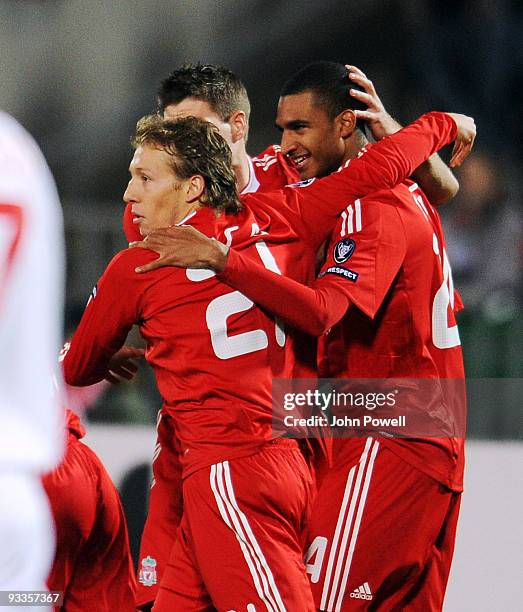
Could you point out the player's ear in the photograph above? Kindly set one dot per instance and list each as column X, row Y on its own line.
column 346, row 122
column 195, row 188
column 238, row 123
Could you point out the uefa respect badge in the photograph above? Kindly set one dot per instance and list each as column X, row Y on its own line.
column 147, row 575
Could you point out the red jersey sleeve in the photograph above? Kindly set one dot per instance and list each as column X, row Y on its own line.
column 365, row 254
column 311, row 309
column 367, row 250
column 273, row 170
column 112, row 309
column 312, row 207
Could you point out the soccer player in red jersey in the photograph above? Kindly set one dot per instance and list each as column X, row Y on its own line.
column 92, row 565
column 214, row 94
column 388, row 276
column 245, row 496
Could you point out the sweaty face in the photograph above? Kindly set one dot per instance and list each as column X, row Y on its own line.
column 192, row 107
column 154, row 192
column 310, row 138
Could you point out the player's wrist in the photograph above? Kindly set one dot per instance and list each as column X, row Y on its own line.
column 217, row 257
column 387, row 126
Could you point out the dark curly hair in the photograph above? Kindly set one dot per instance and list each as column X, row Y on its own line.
column 194, row 147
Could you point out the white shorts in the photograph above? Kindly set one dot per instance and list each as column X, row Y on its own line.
column 27, row 536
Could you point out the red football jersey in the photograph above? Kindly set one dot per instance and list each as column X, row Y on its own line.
column 269, row 170
column 213, row 352
column 388, row 254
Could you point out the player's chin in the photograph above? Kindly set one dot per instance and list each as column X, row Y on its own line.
column 306, row 173
column 309, row 169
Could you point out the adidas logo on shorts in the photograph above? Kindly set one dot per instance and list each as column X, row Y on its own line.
column 362, row 592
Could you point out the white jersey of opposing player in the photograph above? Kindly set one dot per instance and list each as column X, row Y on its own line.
column 31, row 305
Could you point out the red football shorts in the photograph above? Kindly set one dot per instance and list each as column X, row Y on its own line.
column 93, row 565
column 164, row 515
column 381, row 535
column 240, row 544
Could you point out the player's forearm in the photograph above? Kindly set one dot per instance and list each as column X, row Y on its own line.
column 437, row 180
column 86, row 358
column 397, row 156
column 113, row 308
column 433, row 176
column 81, row 368
column 312, row 310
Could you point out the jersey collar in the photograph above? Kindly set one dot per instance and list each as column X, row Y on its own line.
column 253, row 184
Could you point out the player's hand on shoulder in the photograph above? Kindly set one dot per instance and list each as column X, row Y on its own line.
column 464, row 138
column 380, row 122
column 122, row 365
column 183, row 247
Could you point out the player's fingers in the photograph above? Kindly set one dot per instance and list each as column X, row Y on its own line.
column 454, row 154
column 130, row 367
column 363, row 96
column 152, row 243
column 112, row 378
column 364, row 115
column 125, row 368
column 141, row 243
column 457, row 155
column 355, row 69
column 152, row 265
column 363, row 82
column 463, row 147
column 123, row 373
column 366, row 99
column 461, row 155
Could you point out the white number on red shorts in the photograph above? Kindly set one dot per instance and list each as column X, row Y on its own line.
column 318, row 548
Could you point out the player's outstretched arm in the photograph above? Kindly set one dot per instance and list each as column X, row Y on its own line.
column 434, row 176
column 313, row 310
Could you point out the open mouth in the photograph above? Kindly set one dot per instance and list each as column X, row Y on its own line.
column 300, row 160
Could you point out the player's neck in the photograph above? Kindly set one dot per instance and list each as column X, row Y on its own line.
column 242, row 169
column 353, row 145
column 183, row 213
